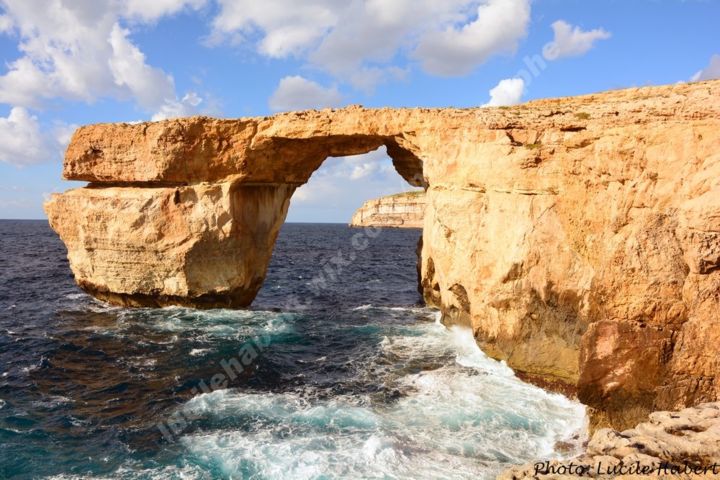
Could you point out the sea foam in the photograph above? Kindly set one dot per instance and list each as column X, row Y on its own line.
column 469, row 418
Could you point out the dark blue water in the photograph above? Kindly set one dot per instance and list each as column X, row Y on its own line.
column 349, row 375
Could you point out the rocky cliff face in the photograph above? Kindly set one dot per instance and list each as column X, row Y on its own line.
column 402, row 210
column 578, row 237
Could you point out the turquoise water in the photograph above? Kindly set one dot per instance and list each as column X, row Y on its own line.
column 359, row 380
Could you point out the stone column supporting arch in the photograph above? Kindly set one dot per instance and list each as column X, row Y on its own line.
column 577, row 237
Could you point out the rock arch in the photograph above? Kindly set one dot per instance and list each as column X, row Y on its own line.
column 578, row 237
column 187, row 211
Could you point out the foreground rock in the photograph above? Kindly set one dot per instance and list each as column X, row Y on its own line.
column 578, row 237
column 684, row 444
column 402, row 210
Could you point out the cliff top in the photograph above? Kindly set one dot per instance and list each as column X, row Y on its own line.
column 272, row 149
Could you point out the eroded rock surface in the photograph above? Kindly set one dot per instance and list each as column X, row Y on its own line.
column 684, row 444
column 402, row 210
column 578, row 237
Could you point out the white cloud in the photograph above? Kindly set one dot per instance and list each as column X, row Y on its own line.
column 298, row 93
column 506, row 92
column 6, row 24
column 342, row 174
column 150, row 86
column 58, row 61
column 369, row 35
column 63, row 132
column 79, row 51
column 24, row 142
column 342, row 184
column 152, row 10
column 21, row 140
column 571, row 41
column 288, row 26
column 364, row 170
column 186, row 106
column 499, row 26
column 710, row 72
column 359, row 41
column 25, row 84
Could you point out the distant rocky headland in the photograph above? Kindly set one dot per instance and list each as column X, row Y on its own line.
column 579, row 238
column 401, row 210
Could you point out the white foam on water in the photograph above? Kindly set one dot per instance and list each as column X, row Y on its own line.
column 87, row 302
column 205, row 325
column 186, row 472
column 470, row 418
column 52, row 401
column 77, row 296
column 363, row 307
column 426, row 311
column 196, row 352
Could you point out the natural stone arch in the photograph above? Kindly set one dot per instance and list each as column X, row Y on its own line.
column 569, row 234
column 202, row 201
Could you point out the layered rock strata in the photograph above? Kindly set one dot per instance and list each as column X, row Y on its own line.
column 578, row 237
column 670, row 445
column 402, row 210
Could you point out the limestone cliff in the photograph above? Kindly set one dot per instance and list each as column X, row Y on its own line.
column 578, row 237
column 402, row 210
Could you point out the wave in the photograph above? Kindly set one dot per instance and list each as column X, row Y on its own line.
column 427, row 312
column 131, row 471
column 171, row 324
column 468, row 418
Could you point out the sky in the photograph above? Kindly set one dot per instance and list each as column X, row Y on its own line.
column 73, row 62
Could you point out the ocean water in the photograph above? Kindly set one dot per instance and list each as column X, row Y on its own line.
column 339, row 372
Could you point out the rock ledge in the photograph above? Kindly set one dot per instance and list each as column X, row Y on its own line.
column 684, row 444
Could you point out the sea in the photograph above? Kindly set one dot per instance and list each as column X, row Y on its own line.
column 337, row 371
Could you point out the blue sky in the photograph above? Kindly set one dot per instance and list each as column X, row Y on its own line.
column 73, row 62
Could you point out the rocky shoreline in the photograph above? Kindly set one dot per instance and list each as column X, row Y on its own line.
column 670, row 445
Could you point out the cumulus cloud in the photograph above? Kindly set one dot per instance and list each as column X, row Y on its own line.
column 23, row 142
column 499, row 26
column 59, row 61
column 150, row 11
column 571, row 41
column 63, row 132
column 80, row 51
column 186, row 106
column 506, row 92
column 386, row 29
column 298, row 93
column 710, row 72
column 287, row 27
column 6, row 24
column 151, row 87
column 342, row 184
column 358, row 41
column 364, row 169
column 338, row 176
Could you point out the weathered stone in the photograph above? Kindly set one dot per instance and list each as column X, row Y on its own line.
column 684, row 444
column 402, row 210
column 578, row 237
column 200, row 245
